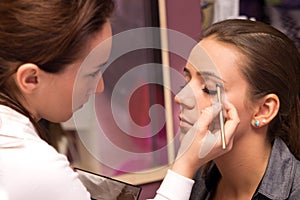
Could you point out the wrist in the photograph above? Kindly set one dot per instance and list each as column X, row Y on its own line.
column 185, row 169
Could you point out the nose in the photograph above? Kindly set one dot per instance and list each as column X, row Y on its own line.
column 185, row 97
column 100, row 86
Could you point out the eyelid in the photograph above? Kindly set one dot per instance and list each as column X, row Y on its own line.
column 103, row 64
column 210, row 92
column 221, row 85
column 95, row 73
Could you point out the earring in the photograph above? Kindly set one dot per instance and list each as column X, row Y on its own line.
column 256, row 123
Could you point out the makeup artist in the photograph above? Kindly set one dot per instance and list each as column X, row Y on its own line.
column 43, row 44
column 258, row 69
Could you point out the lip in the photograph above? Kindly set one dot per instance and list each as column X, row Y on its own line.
column 183, row 120
column 184, row 125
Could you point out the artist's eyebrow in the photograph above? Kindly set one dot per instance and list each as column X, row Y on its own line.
column 207, row 73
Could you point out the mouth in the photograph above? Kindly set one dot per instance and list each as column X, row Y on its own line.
column 183, row 121
column 184, row 125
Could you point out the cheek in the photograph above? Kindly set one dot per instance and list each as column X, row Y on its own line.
column 79, row 90
column 238, row 99
column 238, row 103
column 243, row 110
column 203, row 100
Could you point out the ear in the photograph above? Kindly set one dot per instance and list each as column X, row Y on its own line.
column 266, row 110
column 27, row 77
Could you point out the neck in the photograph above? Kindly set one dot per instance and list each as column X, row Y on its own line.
column 30, row 109
column 243, row 167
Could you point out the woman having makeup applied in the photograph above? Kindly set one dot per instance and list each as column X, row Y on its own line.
column 258, row 70
column 43, row 45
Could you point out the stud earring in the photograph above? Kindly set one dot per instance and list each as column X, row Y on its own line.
column 256, row 123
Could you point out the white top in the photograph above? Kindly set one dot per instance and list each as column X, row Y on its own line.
column 174, row 187
column 32, row 169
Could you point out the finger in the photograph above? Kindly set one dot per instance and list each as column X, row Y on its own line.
column 207, row 115
column 233, row 116
column 187, row 140
column 200, row 128
column 231, row 122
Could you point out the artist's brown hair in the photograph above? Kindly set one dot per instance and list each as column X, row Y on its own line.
column 50, row 34
column 272, row 65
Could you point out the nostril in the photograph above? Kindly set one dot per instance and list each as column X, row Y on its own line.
column 177, row 99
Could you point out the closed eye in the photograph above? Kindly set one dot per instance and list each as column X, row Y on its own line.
column 95, row 74
column 210, row 92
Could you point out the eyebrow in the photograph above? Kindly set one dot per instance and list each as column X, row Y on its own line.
column 204, row 73
column 207, row 73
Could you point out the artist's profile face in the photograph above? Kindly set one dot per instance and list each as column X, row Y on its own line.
column 71, row 89
column 89, row 78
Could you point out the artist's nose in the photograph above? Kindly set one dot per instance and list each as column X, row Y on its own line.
column 100, row 86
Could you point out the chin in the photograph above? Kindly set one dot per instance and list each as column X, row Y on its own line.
column 66, row 118
column 61, row 118
column 184, row 130
column 181, row 136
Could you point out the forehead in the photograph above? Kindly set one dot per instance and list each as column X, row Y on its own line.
column 219, row 58
column 201, row 61
column 98, row 49
column 99, row 45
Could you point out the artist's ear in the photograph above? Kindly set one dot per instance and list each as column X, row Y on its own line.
column 27, row 77
column 265, row 110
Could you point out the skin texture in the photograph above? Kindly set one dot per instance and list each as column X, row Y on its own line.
column 198, row 108
column 249, row 141
column 61, row 101
column 246, row 143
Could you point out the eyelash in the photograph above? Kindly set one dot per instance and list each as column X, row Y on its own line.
column 205, row 89
column 94, row 74
column 210, row 92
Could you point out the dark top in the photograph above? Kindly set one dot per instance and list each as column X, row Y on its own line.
column 280, row 181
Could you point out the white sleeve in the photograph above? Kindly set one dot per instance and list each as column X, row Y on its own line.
column 174, row 187
column 36, row 171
